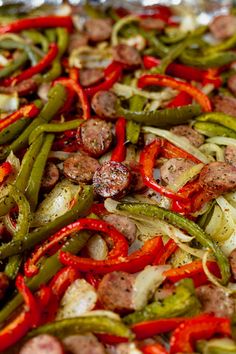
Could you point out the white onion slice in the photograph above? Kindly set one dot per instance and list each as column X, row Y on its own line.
column 222, row 140
column 97, row 248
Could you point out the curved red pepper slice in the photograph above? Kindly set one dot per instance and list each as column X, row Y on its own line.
column 119, row 152
column 169, row 248
column 38, row 22
column 199, row 327
column 181, row 99
column 36, row 69
column 112, row 75
column 120, row 248
column 169, row 151
column 148, row 157
column 131, row 264
column 77, row 88
column 154, row 349
column 167, row 81
column 5, row 170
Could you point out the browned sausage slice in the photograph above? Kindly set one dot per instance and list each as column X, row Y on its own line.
column 215, row 300
column 150, row 23
column 230, row 154
column 195, row 138
column 88, row 77
column 77, row 40
column 80, row 168
column 173, row 168
column 25, row 87
column 123, row 224
column 44, row 343
column 231, row 83
column 83, row 344
column 115, row 291
column 223, row 26
column 98, row 30
column 4, row 283
column 126, row 55
column 95, row 136
column 50, row 177
column 232, row 261
column 112, row 179
column 104, row 104
column 218, row 178
column 225, row 104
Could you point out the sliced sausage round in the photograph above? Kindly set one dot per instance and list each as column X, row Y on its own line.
column 195, row 138
column 232, row 261
column 115, row 291
column 127, row 55
column 112, row 179
column 43, row 343
column 215, row 300
column 50, row 177
column 123, row 224
column 104, row 104
column 4, row 283
column 77, row 40
column 173, row 168
column 218, row 178
column 23, row 88
column 83, row 344
column 88, row 77
column 223, row 26
column 225, row 104
column 80, row 168
column 231, row 83
column 150, row 23
column 98, row 29
column 230, row 154
column 95, row 136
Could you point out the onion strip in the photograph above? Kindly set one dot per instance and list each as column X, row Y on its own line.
column 212, row 150
column 119, row 24
column 185, row 177
column 222, row 140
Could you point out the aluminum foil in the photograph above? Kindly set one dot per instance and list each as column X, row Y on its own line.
column 203, row 9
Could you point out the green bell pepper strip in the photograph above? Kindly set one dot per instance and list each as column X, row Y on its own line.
column 11, row 44
column 136, row 104
column 54, row 128
column 7, row 202
column 77, row 325
column 51, row 34
column 13, row 65
column 12, row 131
column 62, row 44
column 164, row 117
column 22, row 228
column 37, row 38
column 181, row 222
column 56, row 99
column 47, row 270
column 213, row 129
column 225, row 45
column 156, row 45
column 219, row 118
column 181, row 302
column 80, row 209
column 173, row 38
column 212, row 60
column 32, row 190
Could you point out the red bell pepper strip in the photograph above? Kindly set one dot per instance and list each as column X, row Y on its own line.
column 36, row 69
column 190, row 270
column 24, row 321
column 120, row 248
column 110, row 339
column 119, row 152
column 199, row 327
column 154, row 349
column 98, row 209
column 131, row 264
column 181, row 99
column 38, row 22
column 27, row 111
column 149, row 329
column 112, row 75
column 169, row 151
column 211, row 76
column 77, row 88
column 164, row 80
column 92, row 279
column 74, row 74
column 148, row 158
column 5, row 170
column 64, row 278
column 169, row 248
